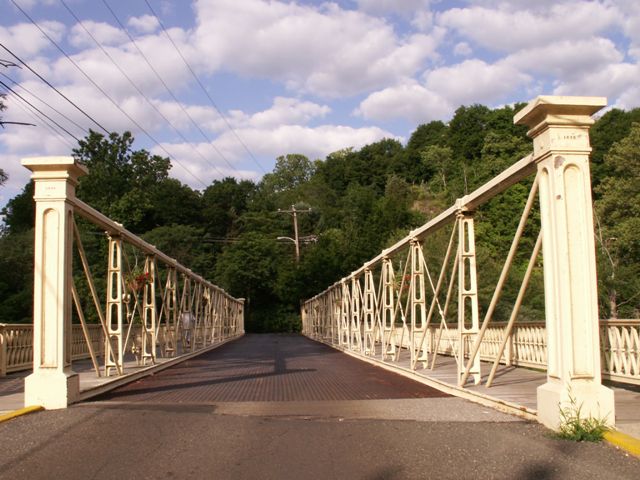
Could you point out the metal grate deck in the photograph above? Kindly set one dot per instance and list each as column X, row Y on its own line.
column 271, row 368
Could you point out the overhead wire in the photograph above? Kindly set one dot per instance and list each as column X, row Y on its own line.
column 11, row 90
column 47, row 82
column 169, row 91
column 22, row 87
column 44, row 121
column 132, row 120
column 140, row 92
column 193, row 73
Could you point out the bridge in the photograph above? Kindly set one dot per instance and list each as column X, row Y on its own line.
column 401, row 338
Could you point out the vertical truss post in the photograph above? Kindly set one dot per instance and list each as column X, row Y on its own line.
column 115, row 308
column 241, row 316
column 53, row 383
column 559, row 127
column 369, row 313
column 171, row 313
column 149, row 312
column 345, row 307
column 388, row 309
column 468, row 317
column 418, row 313
column 355, row 334
column 185, row 312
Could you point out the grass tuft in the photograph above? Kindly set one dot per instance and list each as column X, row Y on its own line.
column 574, row 426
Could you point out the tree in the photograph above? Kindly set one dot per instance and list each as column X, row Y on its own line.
column 16, row 281
column 291, row 171
column 19, row 213
column 612, row 127
column 411, row 166
column 439, row 160
column 467, row 130
column 223, row 202
column 122, row 182
column 618, row 223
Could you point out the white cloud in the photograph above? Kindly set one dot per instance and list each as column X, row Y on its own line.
column 30, row 4
column 409, row 101
column 553, row 60
column 508, row 30
column 612, row 81
column 475, row 81
column 324, row 50
column 287, row 111
column 103, row 32
column 144, row 23
column 267, row 144
column 18, row 177
column 392, row 6
column 314, row 142
column 462, row 49
column 26, row 40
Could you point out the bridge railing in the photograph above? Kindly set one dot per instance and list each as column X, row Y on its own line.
column 16, row 345
column 527, row 346
column 145, row 304
column 430, row 278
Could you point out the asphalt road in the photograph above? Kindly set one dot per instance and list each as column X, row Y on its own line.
column 145, row 432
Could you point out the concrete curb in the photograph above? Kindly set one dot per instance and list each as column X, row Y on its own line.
column 623, row 441
column 20, row 412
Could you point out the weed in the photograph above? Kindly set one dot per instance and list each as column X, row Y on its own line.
column 573, row 426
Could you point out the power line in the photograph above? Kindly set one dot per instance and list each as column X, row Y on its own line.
column 159, row 77
column 193, row 73
column 37, row 118
column 11, row 90
column 53, row 42
column 43, row 102
column 140, row 92
column 47, row 82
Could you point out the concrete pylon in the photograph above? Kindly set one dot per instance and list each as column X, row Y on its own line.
column 559, row 127
column 53, row 384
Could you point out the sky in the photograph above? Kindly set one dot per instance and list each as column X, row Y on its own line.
column 224, row 87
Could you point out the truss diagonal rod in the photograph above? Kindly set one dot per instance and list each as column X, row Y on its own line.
column 85, row 330
column 454, row 272
column 436, row 291
column 503, row 277
column 94, row 294
column 516, row 308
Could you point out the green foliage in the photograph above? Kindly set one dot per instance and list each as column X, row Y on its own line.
column 617, row 226
column 574, row 426
column 16, row 281
column 126, row 185
column 19, row 213
column 362, row 201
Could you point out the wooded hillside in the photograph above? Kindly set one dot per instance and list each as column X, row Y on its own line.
column 360, row 201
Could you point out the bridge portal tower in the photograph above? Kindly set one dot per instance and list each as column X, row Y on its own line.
column 53, row 383
column 559, row 127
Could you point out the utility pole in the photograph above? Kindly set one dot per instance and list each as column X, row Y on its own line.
column 296, row 240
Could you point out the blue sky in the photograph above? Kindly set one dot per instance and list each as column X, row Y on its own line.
column 300, row 76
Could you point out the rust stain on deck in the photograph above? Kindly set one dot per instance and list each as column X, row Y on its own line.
column 271, row 368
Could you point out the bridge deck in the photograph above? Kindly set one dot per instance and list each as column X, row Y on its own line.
column 279, row 368
column 271, row 368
